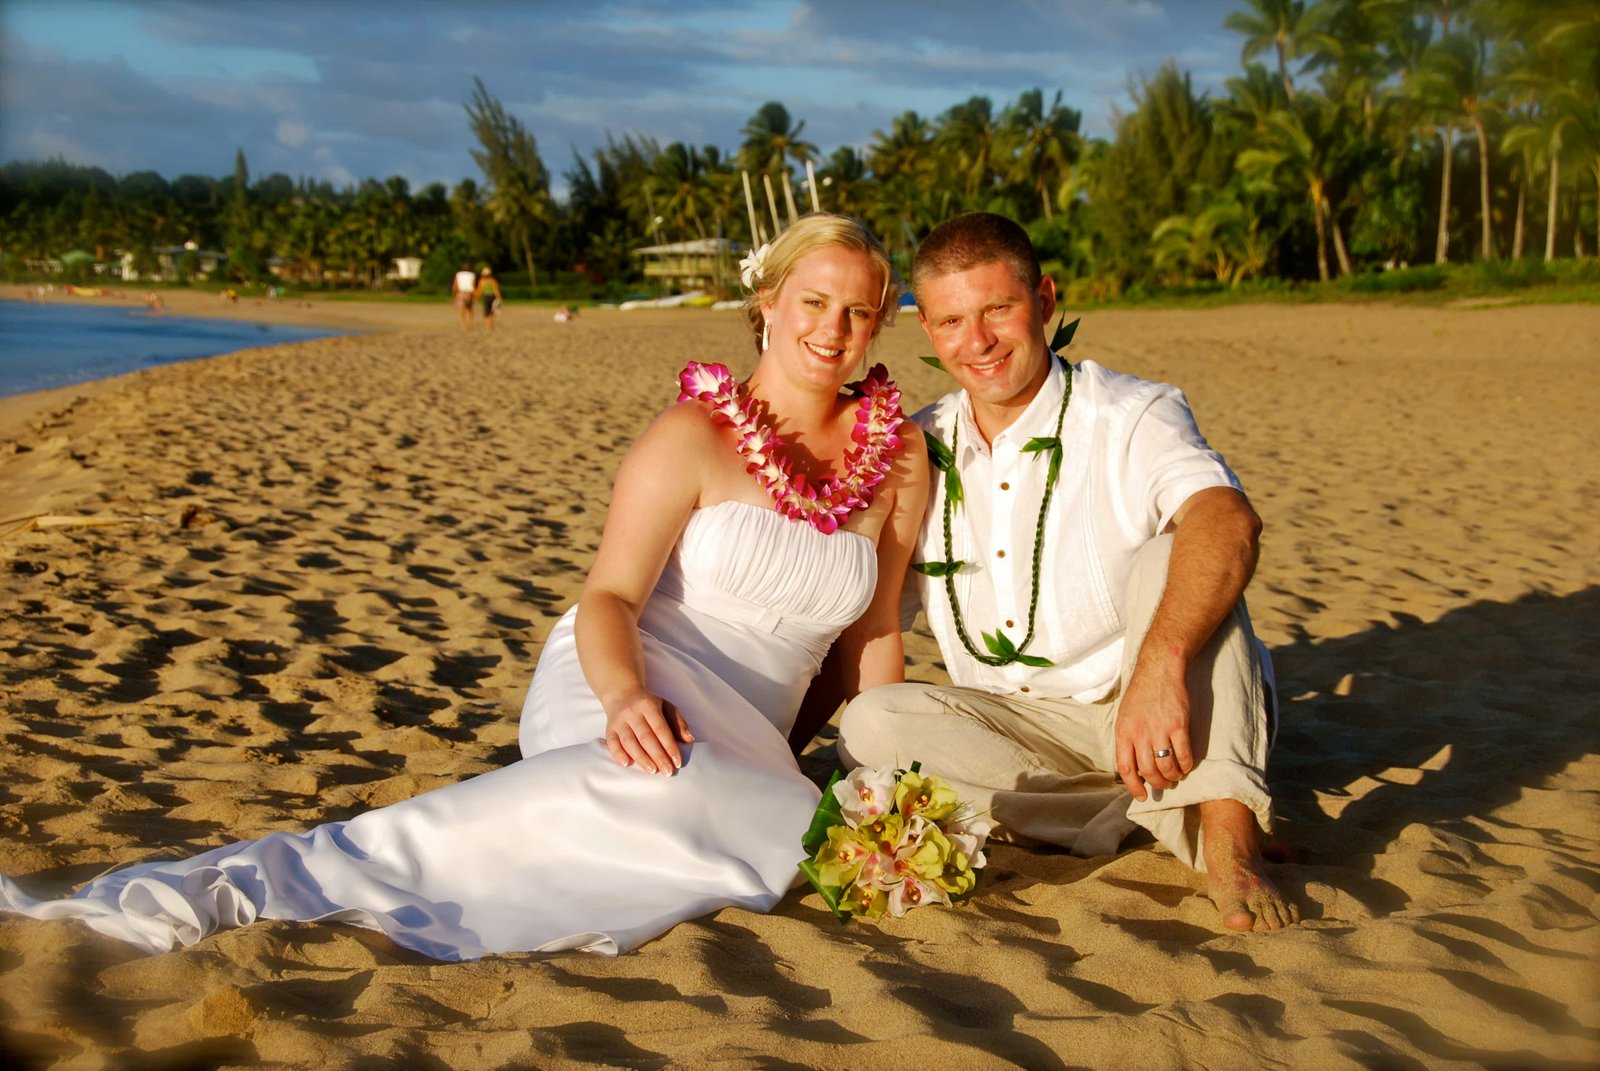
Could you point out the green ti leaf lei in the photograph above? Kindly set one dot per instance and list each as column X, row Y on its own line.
column 1002, row 651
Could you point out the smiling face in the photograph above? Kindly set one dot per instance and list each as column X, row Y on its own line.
column 821, row 320
column 987, row 329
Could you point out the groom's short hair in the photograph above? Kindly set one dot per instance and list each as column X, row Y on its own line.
column 970, row 240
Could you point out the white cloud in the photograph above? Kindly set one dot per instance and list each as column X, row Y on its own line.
column 45, row 144
column 292, row 134
column 332, row 169
column 389, row 93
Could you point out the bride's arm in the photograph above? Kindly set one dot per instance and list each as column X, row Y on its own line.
column 657, row 486
column 870, row 652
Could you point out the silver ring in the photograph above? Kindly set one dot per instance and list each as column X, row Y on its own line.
column 1163, row 753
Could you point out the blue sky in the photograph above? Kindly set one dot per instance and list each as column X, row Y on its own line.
column 346, row 90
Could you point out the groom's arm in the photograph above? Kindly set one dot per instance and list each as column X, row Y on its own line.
column 1216, row 543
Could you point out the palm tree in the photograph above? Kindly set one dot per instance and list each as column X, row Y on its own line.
column 677, row 187
column 1297, row 151
column 1369, row 48
column 1540, row 139
column 401, row 225
column 771, row 142
column 1453, row 83
column 1571, row 33
column 1435, row 111
column 902, row 161
column 968, row 133
column 1554, row 76
column 1251, row 100
column 721, row 192
column 1444, row 11
column 1281, row 25
column 1584, row 108
column 345, row 242
column 904, row 150
column 845, row 182
column 1517, row 83
column 1223, row 238
column 1041, row 144
column 430, row 218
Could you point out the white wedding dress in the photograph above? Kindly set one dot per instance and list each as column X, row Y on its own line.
column 566, row 849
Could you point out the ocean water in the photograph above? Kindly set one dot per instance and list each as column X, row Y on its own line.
column 51, row 344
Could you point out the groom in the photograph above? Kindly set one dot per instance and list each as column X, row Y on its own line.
column 1107, row 678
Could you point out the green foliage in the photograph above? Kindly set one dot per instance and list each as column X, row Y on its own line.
column 246, row 265
column 1163, row 153
column 188, row 266
column 1042, row 144
column 439, row 267
column 772, row 140
column 1052, row 241
column 1403, row 281
column 1496, row 275
column 1392, row 218
column 1324, row 156
column 1224, row 240
column 519, row 185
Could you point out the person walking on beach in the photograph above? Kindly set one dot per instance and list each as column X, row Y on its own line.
column 1082, row 565
column 656, row 782
column 462, row 287
column 488, row 296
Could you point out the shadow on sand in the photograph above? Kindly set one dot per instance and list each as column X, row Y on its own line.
column 1451, row 719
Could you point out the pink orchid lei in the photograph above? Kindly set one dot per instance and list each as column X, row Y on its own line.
column 826, row 505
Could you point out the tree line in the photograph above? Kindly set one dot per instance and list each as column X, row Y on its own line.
column 1357, row 133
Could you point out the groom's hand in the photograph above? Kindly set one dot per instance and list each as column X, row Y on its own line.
column 1154, row 716
column 644, row 731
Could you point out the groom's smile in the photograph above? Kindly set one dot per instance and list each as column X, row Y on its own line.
column 987, row 329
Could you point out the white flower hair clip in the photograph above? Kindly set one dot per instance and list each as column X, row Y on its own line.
column 753, row 265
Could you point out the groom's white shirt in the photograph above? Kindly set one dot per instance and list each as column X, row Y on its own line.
column 1132, row 456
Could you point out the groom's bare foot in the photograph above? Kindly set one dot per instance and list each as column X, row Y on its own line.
column 1236, row 872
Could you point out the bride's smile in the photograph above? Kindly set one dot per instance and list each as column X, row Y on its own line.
column 826, row 314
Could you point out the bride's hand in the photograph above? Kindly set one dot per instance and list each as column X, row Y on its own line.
column 644, row 730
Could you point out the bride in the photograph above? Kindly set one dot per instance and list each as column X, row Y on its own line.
column 751, row 527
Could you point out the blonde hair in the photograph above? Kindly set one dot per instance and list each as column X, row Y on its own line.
column 806, row 235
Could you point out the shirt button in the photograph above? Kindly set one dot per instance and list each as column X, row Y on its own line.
column 1005, row 486
column 1010, row 623
column 1024, row 688
column 999, row 554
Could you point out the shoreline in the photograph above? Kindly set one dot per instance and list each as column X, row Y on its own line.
column 17, row 409
column 385, row 318
column 340, row 315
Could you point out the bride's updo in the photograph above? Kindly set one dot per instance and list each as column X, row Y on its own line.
column 765, row 270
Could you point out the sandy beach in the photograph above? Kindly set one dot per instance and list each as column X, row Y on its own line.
column 341, row 558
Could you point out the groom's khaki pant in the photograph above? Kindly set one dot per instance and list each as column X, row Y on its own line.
column 1044, row 768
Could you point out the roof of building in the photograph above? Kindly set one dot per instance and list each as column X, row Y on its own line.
column 711, row 246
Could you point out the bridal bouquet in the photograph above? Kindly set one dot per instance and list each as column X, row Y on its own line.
column 891, row 840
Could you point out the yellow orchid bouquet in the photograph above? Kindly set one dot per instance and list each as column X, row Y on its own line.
column 889, row 840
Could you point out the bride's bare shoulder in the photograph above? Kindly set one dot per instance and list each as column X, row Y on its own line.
column 680, row 432
column 912, row 457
